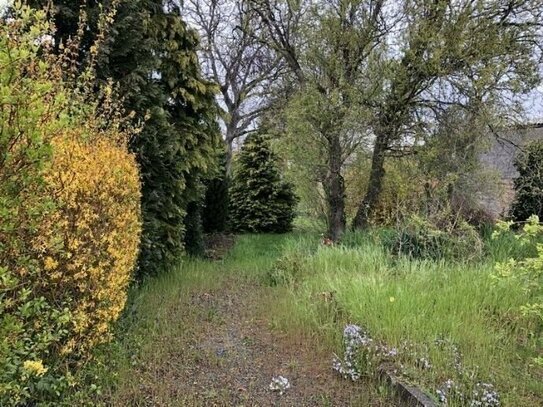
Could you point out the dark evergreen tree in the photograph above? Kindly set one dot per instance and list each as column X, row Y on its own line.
column 259, row 200
column 66, row 15
column 529, row 184
column 151, row 56
column 194, row 240
column 216, row 205
column 216, row 202
column 188, row 145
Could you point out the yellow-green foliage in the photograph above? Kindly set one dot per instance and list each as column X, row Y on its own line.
column 527, row 273
column 403, row 189
column 69, row 216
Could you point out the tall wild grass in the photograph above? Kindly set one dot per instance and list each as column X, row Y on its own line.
column 448, row 312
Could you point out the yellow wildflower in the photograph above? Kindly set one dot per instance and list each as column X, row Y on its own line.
column 50, row 263
column 392, row 299
column 35, row 367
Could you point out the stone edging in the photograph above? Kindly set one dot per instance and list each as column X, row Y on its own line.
column 412, row 396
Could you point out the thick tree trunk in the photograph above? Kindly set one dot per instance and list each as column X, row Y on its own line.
column 228, row 158
column 229, row 138
column 335, row 191
column 375, row 184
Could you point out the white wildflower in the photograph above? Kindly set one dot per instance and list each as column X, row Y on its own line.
column 354, row 338
column 280, row 384
column 485, row 395
column 45, row 39
column 424, row 363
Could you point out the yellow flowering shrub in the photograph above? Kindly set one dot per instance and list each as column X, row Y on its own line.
column 89, row 244
column 69, row 215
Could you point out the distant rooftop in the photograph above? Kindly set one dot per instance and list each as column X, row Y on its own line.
column 532, row 123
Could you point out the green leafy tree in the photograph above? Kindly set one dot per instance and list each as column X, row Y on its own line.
column 151, row 56
column 388, row 69
column 260, row 200
column 452, row 54
column 529, row 183
column 326, row 46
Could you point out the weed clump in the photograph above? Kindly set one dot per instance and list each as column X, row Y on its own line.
column 435, row 239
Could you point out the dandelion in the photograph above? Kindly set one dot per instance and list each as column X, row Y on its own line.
column 50, row 264
column 34, row 367
column 392, row 299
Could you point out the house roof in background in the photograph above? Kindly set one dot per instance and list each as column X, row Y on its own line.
column 531, row 124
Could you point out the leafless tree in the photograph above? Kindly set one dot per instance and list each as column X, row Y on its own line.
column 235, row 57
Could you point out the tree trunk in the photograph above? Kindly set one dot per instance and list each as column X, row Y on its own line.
column 231, row 134
column 335, row 191
column 375, row 184
column 228, row 158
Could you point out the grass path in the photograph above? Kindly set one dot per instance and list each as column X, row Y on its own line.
column 202, row 335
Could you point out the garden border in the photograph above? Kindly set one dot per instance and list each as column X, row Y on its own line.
column 411, row 395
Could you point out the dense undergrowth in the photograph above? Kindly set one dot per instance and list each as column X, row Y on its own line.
column 447, row 326
column 450, row 326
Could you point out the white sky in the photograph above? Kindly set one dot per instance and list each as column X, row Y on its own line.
column 4, row 3
column 534, row 105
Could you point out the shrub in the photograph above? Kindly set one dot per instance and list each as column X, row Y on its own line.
column 260, row 200
column 69, row 216
column 527, row 273
column 402, row 193
column 435, row 239
column 529, row 183
column 95, row 186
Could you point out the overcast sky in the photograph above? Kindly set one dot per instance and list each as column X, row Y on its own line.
column 3, row 3
column 534, row 105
